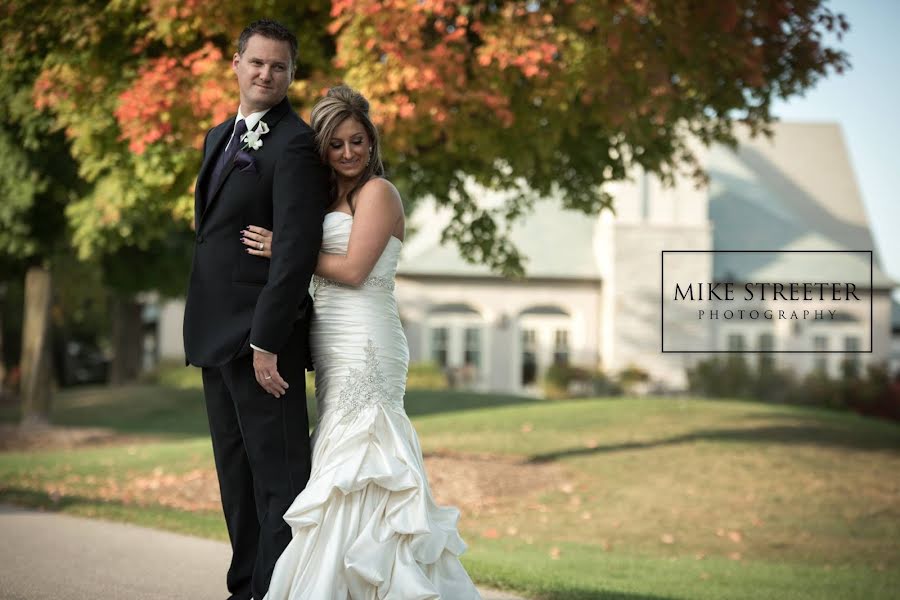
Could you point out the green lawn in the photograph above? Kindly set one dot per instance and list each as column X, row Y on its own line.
column 625, row 498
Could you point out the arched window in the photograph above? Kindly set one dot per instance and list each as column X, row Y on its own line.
column 545, row 334
column 456, row 341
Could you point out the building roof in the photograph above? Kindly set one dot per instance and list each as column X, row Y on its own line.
column 796, row 191
column 554, row 242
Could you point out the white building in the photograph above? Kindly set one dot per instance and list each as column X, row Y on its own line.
column 592, row 293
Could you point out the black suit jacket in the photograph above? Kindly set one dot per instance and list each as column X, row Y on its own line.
column 234, row 298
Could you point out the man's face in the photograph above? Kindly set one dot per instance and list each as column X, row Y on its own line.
column 263, row 72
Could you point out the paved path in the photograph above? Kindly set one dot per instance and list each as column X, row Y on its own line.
column 49, row 556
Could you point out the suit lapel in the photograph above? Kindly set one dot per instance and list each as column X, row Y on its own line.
column 217, row 139
column 275, row 114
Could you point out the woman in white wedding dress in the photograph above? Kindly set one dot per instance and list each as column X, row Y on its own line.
column 366, row 526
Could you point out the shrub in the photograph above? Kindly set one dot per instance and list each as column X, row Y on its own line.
column 872, row 393
column 568, row 381
column 771, row 383
column 557, row 379
column 426, row 376
column 632, row 379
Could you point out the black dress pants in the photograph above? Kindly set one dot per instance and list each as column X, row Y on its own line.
column 262, row 453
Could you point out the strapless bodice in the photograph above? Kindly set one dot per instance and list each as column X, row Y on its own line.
column 335, row 240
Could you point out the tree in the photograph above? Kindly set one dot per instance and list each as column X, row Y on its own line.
column 37, row 176
column 526, row 96
column 568, row 95
column 532, row 97
column 125, row 63
column 49, row 166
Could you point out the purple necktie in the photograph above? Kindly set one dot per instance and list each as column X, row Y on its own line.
column 225, row 159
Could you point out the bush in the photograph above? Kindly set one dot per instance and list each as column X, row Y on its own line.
column 715, row 377
column 426, row 376
column 558, row 378
column 633, row 379
column 568, row 381
column 872, row 393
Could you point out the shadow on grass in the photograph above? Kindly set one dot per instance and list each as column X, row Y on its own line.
column 577, row 593
column 546, row 585
column 422, row 402
column 205, row 524
column 855, row 438
column 181, row 413
column 43, row 501
column 134, row 409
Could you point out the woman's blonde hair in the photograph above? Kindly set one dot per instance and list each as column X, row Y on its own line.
column 342, row 103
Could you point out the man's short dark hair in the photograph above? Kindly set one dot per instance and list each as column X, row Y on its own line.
column 271, row 29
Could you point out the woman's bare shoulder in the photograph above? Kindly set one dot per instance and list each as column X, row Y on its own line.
column 380, row 190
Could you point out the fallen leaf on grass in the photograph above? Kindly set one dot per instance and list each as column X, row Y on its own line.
column 554, row 553
column 527, row 428
column 491, row 534
column 667, row 538
column 735, row 536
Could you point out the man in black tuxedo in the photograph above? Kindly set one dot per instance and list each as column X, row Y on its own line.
column 246, row 319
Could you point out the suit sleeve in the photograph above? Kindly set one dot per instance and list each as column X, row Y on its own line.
column 299, row 198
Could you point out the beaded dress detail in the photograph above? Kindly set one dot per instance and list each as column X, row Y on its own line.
column 366, row 526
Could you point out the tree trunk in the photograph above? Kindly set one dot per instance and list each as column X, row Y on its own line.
column 128, row 341
column 36, row 355
column 2, row 359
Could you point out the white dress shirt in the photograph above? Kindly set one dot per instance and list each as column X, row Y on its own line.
column 251, row 121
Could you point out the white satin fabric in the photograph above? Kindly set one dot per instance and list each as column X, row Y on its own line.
column 366, row 526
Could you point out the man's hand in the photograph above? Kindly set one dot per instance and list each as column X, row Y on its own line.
column 265, row 365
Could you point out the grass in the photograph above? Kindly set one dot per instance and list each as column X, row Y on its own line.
column 650, row 498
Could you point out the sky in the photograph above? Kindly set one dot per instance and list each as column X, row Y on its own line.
column 864, row 101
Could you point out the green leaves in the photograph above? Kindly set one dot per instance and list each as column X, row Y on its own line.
column 556, row 98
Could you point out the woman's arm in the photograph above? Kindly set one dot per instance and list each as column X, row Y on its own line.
column 378, row 208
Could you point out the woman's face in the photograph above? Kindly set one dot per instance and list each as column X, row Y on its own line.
column 348, row 149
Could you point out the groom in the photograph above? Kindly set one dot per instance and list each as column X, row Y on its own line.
column 246, row 320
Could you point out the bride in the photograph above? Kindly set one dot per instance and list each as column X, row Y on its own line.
column 366, row 525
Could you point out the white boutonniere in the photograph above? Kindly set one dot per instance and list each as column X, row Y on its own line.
column 252, row 139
